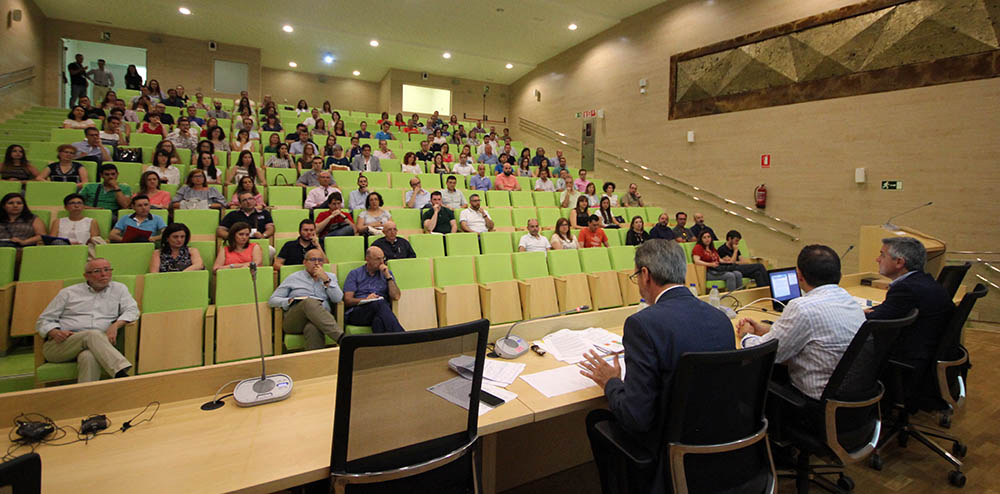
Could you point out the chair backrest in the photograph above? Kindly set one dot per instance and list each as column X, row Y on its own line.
column 406, row 219
column 199, row 221
column 462, row 244
column 717, row 398
column 287, row 220
column 622, row 257
column 233, row 286
column 594, row 260
column 166, row 292
column 52, row 262
column 854, row 431
column 8, row 257
column 344, row 249
column 427, row 244
column 520, row 217
column 952, row 358
column 130, row 258
column 491, row 268
column 563, row 262
column 369, row 374
column 496, row 198
column 411, row 273
column 47, row 193
column 495, row 243
column 529, row 265
column 951, row 277
column 454, row 270
column 22, row 474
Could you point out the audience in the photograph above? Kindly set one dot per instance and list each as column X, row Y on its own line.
column 633, row 198
column 310, row 178
column 306, row 297
column 196, row 194
column 318, row 196
column 436, row 218
column 609, row 192
column 374, row 284
column 217, row 111
column 92, row 149
column 293, row 253
column 591, row 194
column 358, row 198
column 335, row 221
column 579, row 217
column 154, row 125
column 425, row 153
column 75, row 227
column 16, row 167
column 593, row 235
column 705, row 254
column 383, row 152
column 700, row 226
column 108, row 194
column 463, row 166
column 149, row 186
column 682, row 234
column 373, row 218
column 451, row 197
column 168, row 147
column 475, row 219
column 217, row 137
column 480, row 181
column 175, row 255
column 243, row 142
column 77, row 119
column 416, row 197
column 141, row 220
column 244, row 167
column 392, row 245
column 113, row 133
column 729, row 259
column 506, row 180
column 281, row 159
column 488, row 157
column 636, row 233
column 543, row 184
column 246, row 185
column 81, row 324
column 562, row 237
column 259, row 220
column 533, row 241
column 19, row 226
column 238, row 251
column 162, row 168
column 608, row 219
column 365, row 162
column 183, row 137
column 581, row 183
column 662, row 228
column 570, row 195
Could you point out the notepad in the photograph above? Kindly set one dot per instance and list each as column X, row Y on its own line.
column 369, row 300
column 495, row 373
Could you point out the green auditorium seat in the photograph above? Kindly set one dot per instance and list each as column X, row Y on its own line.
column 8, row 257
column 520, row 217
column 347, row 180
column 632, row 213
column 235, row 336
column 502, row 221
column 572, row 287
column 495, row 242
column 527, row 183
column 343, row 268
column 415, row 308
column 127, row 259
column 144, row 140
column 47, row 194
column 376, row 180
column 174, row 322
column 286, row 197
column 282, row 176
column 344, row 249
column 653, row 215
column 495, row 198
column 7, row 187
column 43, row 151
column 393, row 198
column 462, row 244
column 202, row 222
column 522, row 199
column 427, row 244
column 208, row 251
column 498, row 290
column 67, row 136
column 128, row 173
column 407, row 221
column 545, row 199
column 391, row 165
column 101, row 216
column 456, row 292
column 614, row 237
column 286, row 224
column 547, row 217
column 604, row 288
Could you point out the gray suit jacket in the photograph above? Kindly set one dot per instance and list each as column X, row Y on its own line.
column 358, row 164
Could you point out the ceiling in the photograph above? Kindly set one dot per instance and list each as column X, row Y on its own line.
column 482, row 36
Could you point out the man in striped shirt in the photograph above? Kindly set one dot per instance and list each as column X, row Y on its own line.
column 815, row 329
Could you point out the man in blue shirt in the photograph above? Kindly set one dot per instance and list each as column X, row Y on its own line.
column 367, row 291
column 384, row 133
column 92, row 149
column 306, row 297
column 488, row 157
column 140, row 219
column 480, row 181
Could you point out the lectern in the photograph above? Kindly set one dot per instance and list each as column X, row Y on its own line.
column 871, row 243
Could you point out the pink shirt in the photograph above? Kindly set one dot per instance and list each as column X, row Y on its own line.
column 505, row 182
column 581, row 185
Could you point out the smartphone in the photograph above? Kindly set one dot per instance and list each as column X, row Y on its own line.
column 490, row 399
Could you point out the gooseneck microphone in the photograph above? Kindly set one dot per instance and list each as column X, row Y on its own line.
column 515, row 346
column 257, row 391
column 892, row 227
column 849, row 248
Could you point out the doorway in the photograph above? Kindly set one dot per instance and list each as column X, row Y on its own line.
column 117, row 59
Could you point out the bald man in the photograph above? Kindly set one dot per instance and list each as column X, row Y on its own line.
column 81, row 323
column 307, row 298
column 392, row 245
column 367, row 292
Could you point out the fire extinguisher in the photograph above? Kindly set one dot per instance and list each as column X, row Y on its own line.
column 760, row 196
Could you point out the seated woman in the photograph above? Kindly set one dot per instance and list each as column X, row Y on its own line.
column 65, row 170
column 636, row 233
column 271, row 124
column 338, row 129
column 149, row 186
column 331, row 141
column 196, row 194
column 244, row 167
column 162, row 167
column 168, row 146
column 19, row 227
column 217, row 137
column 608, row 219
column 305, row 160
column 579, row 217
column 704, row 254
column 77, row 119
column 562, row 238
column 361, row 133
column 609, row 192
column 446, row 153
column 272, row 143
column 438, row 140
column 524, row 169
column 439, row 166
column 337, row 160
column 175, row 255
column 281, row 159
column 320, row 128
column 15, row 166
column 243, row 142
column 238, row 251
column 591, row 194
column 75, row 227
column 410, row 163
column 206, row 162
column 373, row 218
column 153, row 126
column 211, row 122
column 399, row 121
column 246, row 185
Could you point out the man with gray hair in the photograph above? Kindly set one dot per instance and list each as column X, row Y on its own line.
column 676, row 322
column 902, row 259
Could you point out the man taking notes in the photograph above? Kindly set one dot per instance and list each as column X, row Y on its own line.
column 367, row 291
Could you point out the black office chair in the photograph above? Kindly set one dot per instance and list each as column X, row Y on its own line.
column 940, row 387
column 844, row 424
column 713, row 429
column 22, row 474
column 390, row 434
column 951, row 277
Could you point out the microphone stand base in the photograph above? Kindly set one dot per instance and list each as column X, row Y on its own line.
column 257, row 391
column 511, row 347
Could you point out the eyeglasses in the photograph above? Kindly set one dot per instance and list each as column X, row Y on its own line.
column 315, row 259
column 100, row 270
column 634, row 277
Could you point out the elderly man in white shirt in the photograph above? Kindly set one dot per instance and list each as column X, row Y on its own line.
column 533, row 241
column 383, row 152
column 81, row 323
column 475, row 219
column 317, row 196
column 815, row 329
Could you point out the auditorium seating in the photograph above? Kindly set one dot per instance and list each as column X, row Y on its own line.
column 455, row 291
column 416, row 307
column 498, row 291
column 235, row 334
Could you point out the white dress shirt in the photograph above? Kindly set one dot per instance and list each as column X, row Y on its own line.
column 532, row 243
column 473, row 220
column 316, row 196
column 80, row 308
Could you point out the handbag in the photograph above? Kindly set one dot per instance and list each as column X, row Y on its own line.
column 128, row 154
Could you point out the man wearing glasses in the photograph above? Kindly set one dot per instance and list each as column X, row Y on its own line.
column 306, row 297
column 81, row 323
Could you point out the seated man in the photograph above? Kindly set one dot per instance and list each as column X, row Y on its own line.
column 487, row 156
column 676, row 322
column 304, row 140
column 374, row 284
column 581, row 183
column 261, row 224
column 417, row 197
column 192, row 115
column 730, row 260
column 700, row 226
column 317, row 197
column 81, row 323
column 506, row 179
column 480, row 181
column 682, row 234
column 392, row 245
column 92, row 149
column 293, row 253
column 532, row 241
column 357, row 198
column 335, row 221
column 633, row 197
column 451, row 197
column 141, row 220
column 570, row 194
column 662, row 228
column 474, row 218
column 593, row 235
column 815, row 329
column 425, row 153
column 310, row 177
column 383, row 152
column 436, row 218
column 365, row 162
column 183, row 136
column 306, row 297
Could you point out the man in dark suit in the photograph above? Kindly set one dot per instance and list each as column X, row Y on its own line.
column 655, row 337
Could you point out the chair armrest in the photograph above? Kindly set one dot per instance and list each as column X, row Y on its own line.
column 131, row 344
column 903, row 366
column 626, row 445
column 39, row 357
column 277, row 319
column 340, row 314
column 209, row 337
column 785, row 393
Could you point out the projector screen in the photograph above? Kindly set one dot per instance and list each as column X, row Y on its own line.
column 231, row 77
column 418, row 99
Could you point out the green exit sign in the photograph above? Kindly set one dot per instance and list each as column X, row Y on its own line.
column 892, row 185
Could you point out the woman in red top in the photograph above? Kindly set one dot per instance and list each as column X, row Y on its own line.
column 335, row 221
column 400, row 122
column 154, row 127
column 149, row 185
column 238, row 252
column 704, row 254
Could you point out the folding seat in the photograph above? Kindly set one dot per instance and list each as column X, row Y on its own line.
column 400, row 180
column 101, row 216
column 502, row 221
column 347, row 180
column 43, row 269
column 429, row 181
column 285, row 196
column 572, row 287
column 497, row 198
column 202, row 222
column 604, row 286
column 185, row 155
column 456, row 291
column 281, row 176
column 632, row 212
column 527, row 183
column 614, row 236
column 344, row 249
column 128, row 173
column 43, row 151
column 376, row 180
column 498, row 291
column 653, row 215
column 495, row 242
column 393, row 198
column 127, row 259
column 545, row 199
column 8, row 256
column 286, row 224
column 623, row 262
column 284, row 343
column 48, row 195
column 427, row 244
column 235, row 334
column 407, row 221
column 416, row 307
column 520, row 217
column 8, row 186
column 522, row 199
column 175, row 321
column 67, row 136
column 461, row 244
column 208, row 251
column 390, row 165
column 139, row 139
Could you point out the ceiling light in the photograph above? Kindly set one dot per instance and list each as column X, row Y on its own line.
column 287, row 28
column 328, row 59
column 293, row 64
column 446, row 55
column 184, row 10
column 509, row 66
column 373, row 42
column 357, row 72
column 572, row 27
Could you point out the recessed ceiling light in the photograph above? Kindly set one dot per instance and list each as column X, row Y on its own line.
column 446, row 55
column 287, row 28
column 357, row 72
column 572, row 27
column 373, row 42
column 328, row 59
column 293, row 64
column 509, row 66
column 184, row 10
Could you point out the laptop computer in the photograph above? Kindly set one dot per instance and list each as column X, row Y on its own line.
column 784, row 286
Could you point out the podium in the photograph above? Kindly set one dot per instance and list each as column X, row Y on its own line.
column 871, row 243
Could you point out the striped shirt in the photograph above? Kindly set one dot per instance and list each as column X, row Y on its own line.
column 813, row 333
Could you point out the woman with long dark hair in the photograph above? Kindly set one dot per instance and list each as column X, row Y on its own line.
column 132, row 78
column 175, row 255
column 19, row 227
column 704, row 254
column 238, row 251
column 15, row 166
column 244, row 167
column 636, row 233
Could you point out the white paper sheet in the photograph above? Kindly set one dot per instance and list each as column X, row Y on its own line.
column 495, row 372
column 569, row 346
column 558, row 381
column 456, row 390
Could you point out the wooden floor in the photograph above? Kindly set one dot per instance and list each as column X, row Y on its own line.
column 913, row 470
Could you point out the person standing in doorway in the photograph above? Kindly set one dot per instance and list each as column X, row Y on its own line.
column 77, row 80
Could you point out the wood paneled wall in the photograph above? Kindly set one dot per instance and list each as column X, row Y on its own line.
column 943, row 142
column 22, row 44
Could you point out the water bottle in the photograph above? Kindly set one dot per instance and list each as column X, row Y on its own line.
column 713, row 297
column 694, row 289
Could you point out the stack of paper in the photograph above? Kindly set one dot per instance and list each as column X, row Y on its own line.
column 456, row 390
column 495, row 373
column 562, row 380
column 569, row 346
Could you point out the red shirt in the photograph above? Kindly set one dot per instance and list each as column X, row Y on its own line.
column 149, row 129
column 346, row 217
column 595, row 239
column 704, row 254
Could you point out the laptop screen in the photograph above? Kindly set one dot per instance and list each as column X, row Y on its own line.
column 784, row 284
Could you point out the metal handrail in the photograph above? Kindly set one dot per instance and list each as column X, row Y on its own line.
column 675, row 185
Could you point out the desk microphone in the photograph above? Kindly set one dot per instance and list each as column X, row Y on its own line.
column 850, row 248
column 514, row 346
column 257, row 391
column 893, row 228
